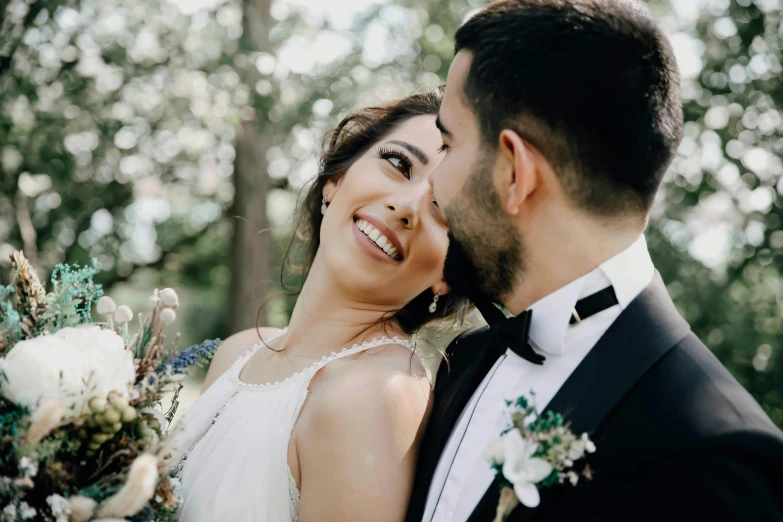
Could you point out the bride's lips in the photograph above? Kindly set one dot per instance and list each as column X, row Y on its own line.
column 384, row 229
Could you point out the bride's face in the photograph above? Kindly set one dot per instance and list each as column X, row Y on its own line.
column 383, row 237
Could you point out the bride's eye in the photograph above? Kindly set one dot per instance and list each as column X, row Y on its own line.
column 397, row 159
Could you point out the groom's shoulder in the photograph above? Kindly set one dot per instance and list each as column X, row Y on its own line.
column 692, row 394
column 475, row 338
column 463, row 352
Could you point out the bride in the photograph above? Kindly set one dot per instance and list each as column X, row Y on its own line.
column 322, row 421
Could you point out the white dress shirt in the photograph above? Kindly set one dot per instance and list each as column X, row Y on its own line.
column 463, row 475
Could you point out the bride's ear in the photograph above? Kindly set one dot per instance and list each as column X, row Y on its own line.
column 441, row 288
column 331, row 186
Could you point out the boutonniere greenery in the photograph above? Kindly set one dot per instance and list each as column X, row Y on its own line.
column 537, row 451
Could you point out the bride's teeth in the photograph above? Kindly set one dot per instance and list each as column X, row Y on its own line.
column 379, row 239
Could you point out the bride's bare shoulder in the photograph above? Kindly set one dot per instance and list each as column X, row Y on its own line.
column 233, row 347
column 362, row 430
column 388, row 385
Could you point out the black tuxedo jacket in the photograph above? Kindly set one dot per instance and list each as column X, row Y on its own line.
column 678, row 439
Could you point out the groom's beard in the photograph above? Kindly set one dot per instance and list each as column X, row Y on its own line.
column 485, row 251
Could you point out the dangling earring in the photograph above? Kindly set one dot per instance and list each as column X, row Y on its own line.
column 434, row 305
column 323, row 204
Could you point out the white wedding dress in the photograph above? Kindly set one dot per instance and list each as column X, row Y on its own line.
column 237, row 435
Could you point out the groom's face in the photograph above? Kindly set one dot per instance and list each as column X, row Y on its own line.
column 486, row 249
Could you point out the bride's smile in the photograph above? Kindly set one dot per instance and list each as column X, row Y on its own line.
column 377, row 235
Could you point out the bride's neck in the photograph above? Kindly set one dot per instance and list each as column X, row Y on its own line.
column 327, row 318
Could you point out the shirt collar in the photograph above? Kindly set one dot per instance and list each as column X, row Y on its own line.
column 629, row 272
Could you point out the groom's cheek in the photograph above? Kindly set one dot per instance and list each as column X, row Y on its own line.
column 437, row 179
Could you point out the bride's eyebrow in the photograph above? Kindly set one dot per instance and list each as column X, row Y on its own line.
column 413, row 149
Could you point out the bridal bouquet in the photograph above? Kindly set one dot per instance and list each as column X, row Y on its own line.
column 81, row 433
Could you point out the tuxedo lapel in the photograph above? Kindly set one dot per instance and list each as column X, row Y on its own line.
column 487, row 507
column 646, row 330
column 470, row 357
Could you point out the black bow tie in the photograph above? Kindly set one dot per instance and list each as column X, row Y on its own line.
column 512, row 332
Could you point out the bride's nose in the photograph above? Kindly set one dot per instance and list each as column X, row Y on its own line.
column 407, row 207
column 405, row 213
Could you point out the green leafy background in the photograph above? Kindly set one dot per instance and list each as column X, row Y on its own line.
column 124, row 123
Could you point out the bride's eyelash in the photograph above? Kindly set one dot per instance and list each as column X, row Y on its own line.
column 387, row 153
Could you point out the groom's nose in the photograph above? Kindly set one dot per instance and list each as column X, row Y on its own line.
column 408, row 204
column 434, row 176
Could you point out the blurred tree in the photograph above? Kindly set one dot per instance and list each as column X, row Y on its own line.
column 249, row 261
column 116, row 134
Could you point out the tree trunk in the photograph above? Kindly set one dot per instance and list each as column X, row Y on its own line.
column 249, row 263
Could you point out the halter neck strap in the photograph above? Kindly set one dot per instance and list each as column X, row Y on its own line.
column 242, row 361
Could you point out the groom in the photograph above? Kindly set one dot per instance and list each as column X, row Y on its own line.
column 560, row 118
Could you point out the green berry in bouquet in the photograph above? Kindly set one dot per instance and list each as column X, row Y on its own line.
column 81, row 432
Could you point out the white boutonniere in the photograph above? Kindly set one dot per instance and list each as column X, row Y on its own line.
column 536, row 451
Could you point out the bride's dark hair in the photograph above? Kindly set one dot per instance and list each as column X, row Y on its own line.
column 342, row 146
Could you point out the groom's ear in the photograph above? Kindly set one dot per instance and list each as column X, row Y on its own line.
column 519, row 177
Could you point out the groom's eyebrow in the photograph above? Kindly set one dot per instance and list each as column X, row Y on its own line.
column 441, row 128
column 413, row 149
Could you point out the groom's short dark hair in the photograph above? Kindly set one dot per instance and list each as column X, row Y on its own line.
column 592, row 84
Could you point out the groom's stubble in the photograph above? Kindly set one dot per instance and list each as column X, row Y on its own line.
column 486, row 251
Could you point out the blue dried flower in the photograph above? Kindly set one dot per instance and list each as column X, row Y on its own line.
column 196, row 355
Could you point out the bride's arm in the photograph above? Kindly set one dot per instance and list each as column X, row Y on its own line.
column 233, row 347
column 358, row 446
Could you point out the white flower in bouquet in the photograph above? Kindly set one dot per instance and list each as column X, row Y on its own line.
column 169, row 297
column 61, row 508
column 28, row 467
column 46, row 417
column 105, row 305
column 123, row 314
column 71, row 366
column 137, row 490
column 82, row 508
column 26, row 511
column 168, row 316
